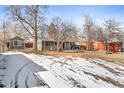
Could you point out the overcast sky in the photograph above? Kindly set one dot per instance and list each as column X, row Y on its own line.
column 74, row 13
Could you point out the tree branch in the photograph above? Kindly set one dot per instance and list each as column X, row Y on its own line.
column 23, row 20
column 25, row 28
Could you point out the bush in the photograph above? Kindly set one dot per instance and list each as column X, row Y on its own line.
column 108, row 52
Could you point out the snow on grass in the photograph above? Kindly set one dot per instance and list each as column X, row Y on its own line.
column 80, row 72
column 22, row 70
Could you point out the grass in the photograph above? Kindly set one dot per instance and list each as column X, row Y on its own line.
column 115, row 57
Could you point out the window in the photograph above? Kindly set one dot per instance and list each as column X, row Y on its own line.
column 17, row 43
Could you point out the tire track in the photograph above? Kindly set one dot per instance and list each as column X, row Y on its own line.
column 26, row 81
column 71, row 80
column 2, row 67
column 18, row 73
column 106, row 67
column 106, row 79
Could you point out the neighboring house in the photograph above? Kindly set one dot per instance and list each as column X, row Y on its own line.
column 122, row 44
column 122, row 47
column 17, row 43
column 47, row 45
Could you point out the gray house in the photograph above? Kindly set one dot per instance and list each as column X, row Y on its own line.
column 122, row 46
column 48, row 45
column 16, row 43
column 121, row 39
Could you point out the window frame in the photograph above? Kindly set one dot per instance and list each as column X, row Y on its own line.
column 19, row 43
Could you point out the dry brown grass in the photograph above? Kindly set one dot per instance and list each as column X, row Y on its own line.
column 115, row 57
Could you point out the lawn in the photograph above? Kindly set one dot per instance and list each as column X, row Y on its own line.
column 114, row 57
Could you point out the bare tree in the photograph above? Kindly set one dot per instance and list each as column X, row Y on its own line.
column 55, row 31
column 30, row 18
column 89, row 30
column 4, row 36
column 61, row 31
column 99, row 34
column 18, row 30
column 1, row 42
column 111, row 26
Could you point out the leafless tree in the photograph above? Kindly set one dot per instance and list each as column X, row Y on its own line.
column 56, row 32
column 99, row 34
column 89, row 30
column 4, row 36
column 111, row 26
column 30, row 17
column 61, row 31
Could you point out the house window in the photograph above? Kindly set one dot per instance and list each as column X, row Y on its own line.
column 17, row 43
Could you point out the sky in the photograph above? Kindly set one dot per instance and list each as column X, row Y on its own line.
column 75, row 13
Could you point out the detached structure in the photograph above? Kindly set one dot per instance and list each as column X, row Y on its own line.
column 16, row 43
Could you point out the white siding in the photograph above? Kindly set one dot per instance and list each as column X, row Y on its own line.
column 39, row 45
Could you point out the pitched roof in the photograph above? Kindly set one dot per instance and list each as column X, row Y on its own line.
column 17, row 38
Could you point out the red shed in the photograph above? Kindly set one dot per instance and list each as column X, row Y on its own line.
column 115, row 46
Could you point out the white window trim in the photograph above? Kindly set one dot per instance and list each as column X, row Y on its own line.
column 18, row 45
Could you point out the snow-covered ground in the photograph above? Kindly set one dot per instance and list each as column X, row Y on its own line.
column 31, row 70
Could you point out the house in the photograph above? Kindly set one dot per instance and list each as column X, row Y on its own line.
column 122, row 47
column 16, row 43
column 122, row 43
column 43, row 44
column 47, row 45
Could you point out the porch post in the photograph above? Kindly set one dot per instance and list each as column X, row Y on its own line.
column 44, row 45
column 69, row 45
column 24, row 44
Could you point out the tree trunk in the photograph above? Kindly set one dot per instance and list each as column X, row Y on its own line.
column 107, row 46
column 4, row 41
column 35, row 43
column 59, row 45
column 35, row 28
column 88, row 45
